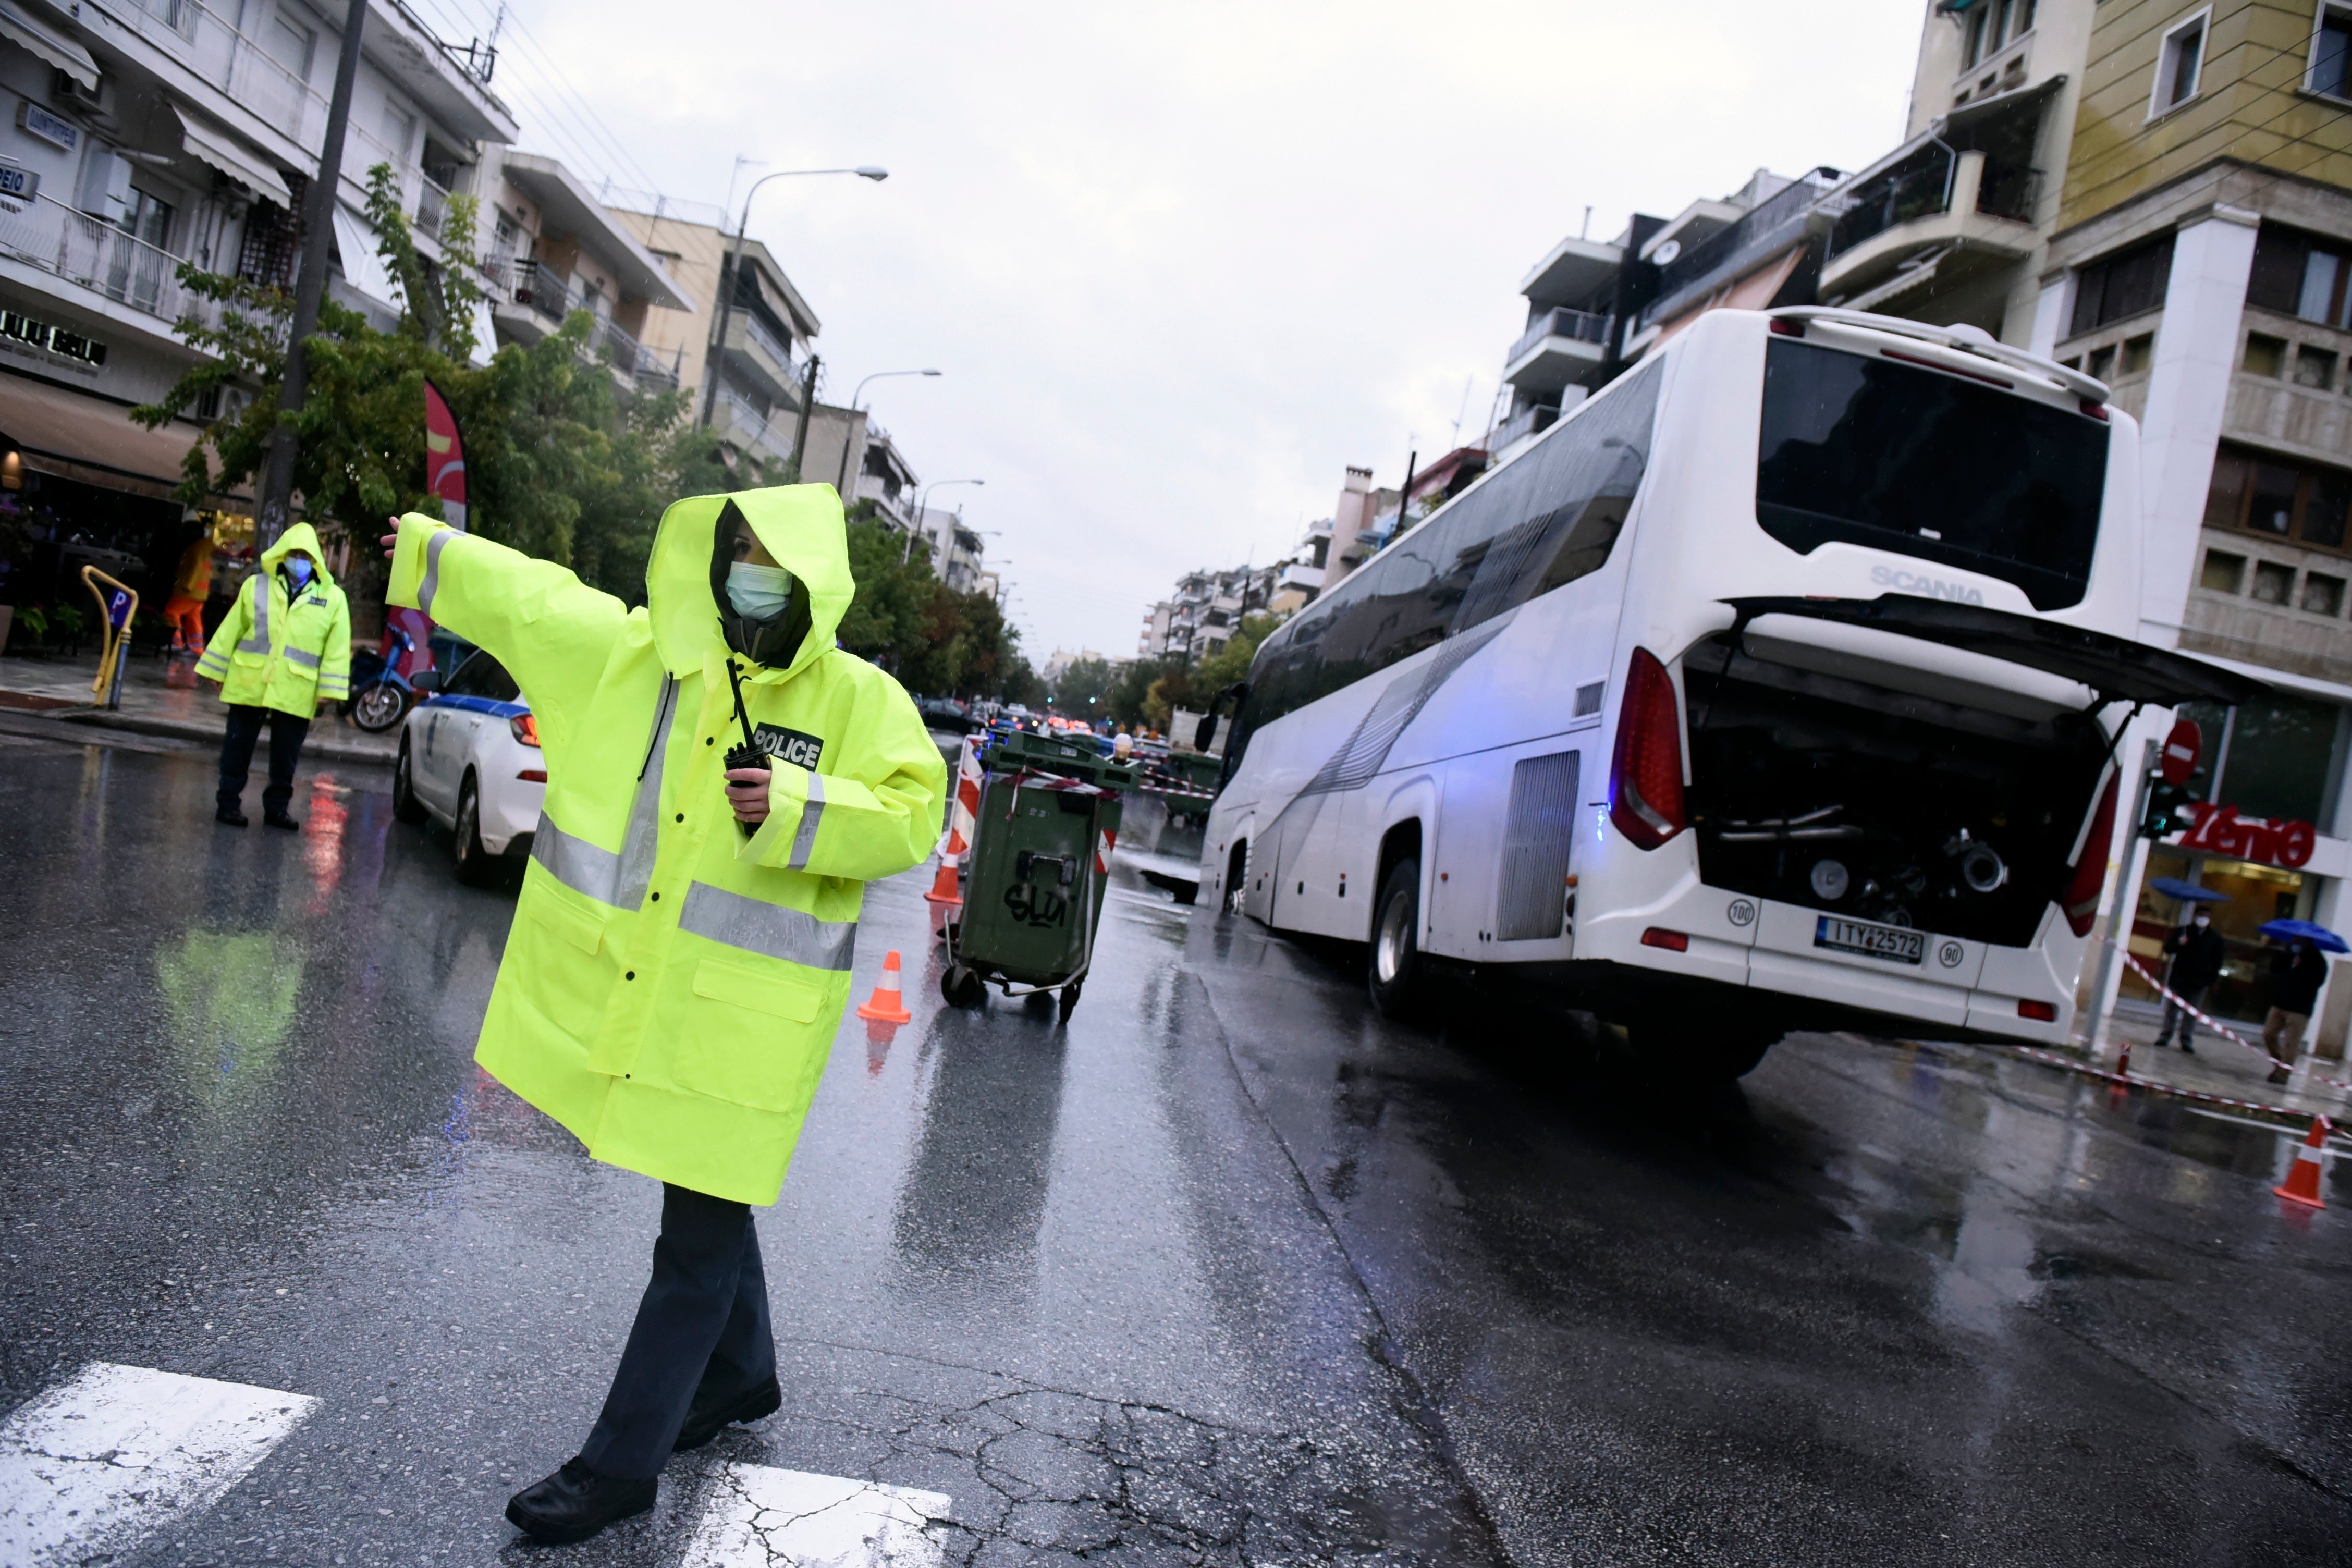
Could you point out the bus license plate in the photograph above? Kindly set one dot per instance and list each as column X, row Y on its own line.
column 1891, row 943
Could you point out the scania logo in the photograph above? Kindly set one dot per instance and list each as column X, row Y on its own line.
column 1927, row 588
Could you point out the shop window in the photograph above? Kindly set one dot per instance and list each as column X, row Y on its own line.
column 2137, row 353
column 2281, row 759
column 2273, row 583
column 2265, row 355
column 2128, row 283
column 2179, row 66
column 2314, row 367
column 2223, row 572
column 2298, row 501
column 2323, row 595
column 2299, row 274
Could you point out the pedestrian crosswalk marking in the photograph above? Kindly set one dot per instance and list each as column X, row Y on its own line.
column 93, row 1466
column 757, row 1515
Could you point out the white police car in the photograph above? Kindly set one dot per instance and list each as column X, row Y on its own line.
column 469, row 759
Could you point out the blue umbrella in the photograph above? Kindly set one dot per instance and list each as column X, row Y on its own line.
column 2318, row 936
column 2187, row 892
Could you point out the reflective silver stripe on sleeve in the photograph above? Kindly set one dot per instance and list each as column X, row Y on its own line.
column 259, row 641
column 574, row 862
column 432, row 584
column 641, row 842
column 805, row 841
column 792, row 935
column 307, row 660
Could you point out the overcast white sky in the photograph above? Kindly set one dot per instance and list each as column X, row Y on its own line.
column 1182, row 264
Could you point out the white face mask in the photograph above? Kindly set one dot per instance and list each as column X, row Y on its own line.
column 758, row 592
column 2203, row 920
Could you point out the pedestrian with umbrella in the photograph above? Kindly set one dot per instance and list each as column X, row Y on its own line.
column 2197, row 954
column 2296, row 973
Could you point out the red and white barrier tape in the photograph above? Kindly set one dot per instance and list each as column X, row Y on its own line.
column 2134, row 1081
column 2227, row 1033
column 964, row 811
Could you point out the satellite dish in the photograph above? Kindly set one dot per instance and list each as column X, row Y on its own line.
column 1664, row 255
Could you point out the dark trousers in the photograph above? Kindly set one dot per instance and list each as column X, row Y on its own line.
column 701, row 1335
column 286, row 734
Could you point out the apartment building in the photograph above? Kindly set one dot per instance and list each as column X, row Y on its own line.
column 1593, row 307
column 2199, row 264
column 1205, row 611
column 755, row 383
column 548, row 247
column 140, row 134
column 1952, row 226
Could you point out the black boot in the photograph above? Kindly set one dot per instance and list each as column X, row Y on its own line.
column 279, row 819
column 231, row 815
column 574, row 1503
column 704, row 1422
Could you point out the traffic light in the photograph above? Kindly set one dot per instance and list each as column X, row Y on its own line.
column 2167, row 809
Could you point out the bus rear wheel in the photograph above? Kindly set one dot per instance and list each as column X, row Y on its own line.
column 1394, row 969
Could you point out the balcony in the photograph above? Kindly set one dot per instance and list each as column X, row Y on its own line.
column 736, row 418
column 109, row 273
column 1935, row 213
column 1527, row 422
column 757, row 354
column 1559, row 347
column 432, row 206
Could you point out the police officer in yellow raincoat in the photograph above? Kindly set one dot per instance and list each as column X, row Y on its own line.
column 284, row 645
column 673, row 980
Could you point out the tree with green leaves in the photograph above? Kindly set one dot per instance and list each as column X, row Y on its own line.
column 560, row 466
column 1084, row 690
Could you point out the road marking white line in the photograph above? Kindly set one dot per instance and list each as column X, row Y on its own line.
column 759, row 1517
column 94, row 1465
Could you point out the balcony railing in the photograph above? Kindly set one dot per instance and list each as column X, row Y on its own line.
column 1580, row 326
column 1525, row 422
column 761, row 334
column 1758, row 226
column 98, row 255
column 546, row 292
column 1924, row 185
column 432, row 205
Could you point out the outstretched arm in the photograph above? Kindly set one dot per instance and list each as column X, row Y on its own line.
column 552, row 631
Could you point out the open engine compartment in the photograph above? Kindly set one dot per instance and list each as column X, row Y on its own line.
column 1839, row 796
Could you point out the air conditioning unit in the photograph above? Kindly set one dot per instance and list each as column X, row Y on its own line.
column 67, row 89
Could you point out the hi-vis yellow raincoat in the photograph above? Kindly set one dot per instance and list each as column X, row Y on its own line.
column 274, row 650
column 671, row 989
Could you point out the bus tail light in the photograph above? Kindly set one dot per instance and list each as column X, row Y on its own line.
column 1646, row 773
column 525, row 728
column 2041, row 1012
column 2081, row 902
column 1672, row 940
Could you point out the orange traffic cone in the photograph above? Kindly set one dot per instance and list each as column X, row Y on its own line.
column 887, row 1003
column 945, row 887
column 2302, row 1180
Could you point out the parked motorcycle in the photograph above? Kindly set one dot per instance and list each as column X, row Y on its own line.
column 381, row 695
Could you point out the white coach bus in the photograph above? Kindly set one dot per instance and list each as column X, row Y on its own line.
column 1780, row 685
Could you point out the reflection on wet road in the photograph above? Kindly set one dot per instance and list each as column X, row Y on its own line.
column 1227, row 1270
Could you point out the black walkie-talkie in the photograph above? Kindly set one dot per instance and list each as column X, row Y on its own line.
column 751, row 753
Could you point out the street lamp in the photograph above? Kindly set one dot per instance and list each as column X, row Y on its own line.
column 923, row 512
column 726, row 273
column 841, row 480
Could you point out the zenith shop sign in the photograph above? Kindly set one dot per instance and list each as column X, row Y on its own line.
column 2220, row 828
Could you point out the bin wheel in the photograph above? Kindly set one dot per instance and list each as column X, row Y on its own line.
column 1069, row 1003
column 962, row 987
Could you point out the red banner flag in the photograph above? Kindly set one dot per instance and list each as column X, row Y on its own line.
column 445, row 457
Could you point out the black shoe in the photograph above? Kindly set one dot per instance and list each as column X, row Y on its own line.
column 229, row 814
column 279, row 819
column 704, row 1424
column 2189, row 1048
column 574, row 1503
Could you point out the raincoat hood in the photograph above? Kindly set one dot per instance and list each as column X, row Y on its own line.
column 301, row 536
column 801, row 526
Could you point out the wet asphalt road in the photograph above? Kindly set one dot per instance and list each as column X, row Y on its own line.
column 1229, row 1270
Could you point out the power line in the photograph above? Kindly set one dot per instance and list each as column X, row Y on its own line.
column 612, row 156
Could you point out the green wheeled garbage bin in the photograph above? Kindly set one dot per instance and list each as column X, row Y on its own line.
column 1039, row 864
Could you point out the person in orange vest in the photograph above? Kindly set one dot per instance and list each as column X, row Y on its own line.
column 183, row 612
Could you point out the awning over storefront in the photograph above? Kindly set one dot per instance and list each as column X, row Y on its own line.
column 363, row 267
column 210, row 144
column 46, row 43
column 78, row 436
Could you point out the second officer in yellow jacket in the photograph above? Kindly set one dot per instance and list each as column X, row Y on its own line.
column 285, row 644
column 672, row 983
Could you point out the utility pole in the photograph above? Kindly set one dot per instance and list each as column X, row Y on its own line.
column 309, row 287
column 808, row 403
